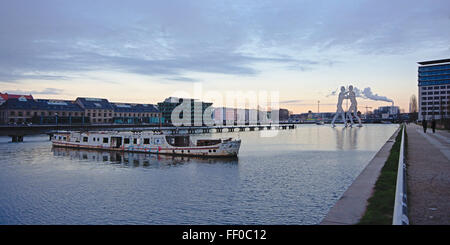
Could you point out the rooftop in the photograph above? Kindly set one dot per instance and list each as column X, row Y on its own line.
column 7, row 96
column 94, row 103
column 128, row 107
column 433, row 62
column 50, row 105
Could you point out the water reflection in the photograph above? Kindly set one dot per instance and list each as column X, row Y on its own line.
column 346, row 138
column 134, row 159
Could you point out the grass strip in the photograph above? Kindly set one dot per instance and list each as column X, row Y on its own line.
column 381, row 204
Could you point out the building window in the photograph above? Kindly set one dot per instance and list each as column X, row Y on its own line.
column 20, row 113
column 28, row 113
column 12, row 113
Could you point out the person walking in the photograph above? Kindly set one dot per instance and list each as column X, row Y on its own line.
column 433, row 125
column 424, row 125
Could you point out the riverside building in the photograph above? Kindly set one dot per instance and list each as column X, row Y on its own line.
column 21, row 109
column 196, row 108
column 434, row 89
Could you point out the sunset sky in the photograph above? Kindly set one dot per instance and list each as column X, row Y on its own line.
column 144, row 51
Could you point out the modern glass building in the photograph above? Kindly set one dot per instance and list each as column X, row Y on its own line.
column 434, row 89
column 196, row 108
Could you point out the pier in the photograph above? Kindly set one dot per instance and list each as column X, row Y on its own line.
column 17, row 133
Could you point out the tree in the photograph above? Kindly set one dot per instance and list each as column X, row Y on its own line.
column 413, row 104
column 413, row 110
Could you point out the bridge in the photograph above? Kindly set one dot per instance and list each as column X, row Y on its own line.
column 17, row 132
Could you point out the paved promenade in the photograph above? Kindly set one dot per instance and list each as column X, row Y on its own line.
column 428, row 176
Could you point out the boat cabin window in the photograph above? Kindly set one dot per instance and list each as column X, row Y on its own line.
column 208, row 142
column 146, row 141
column 135, row 141
column 85, row 139
column 126, row 140
column 178, row 140
column 64, row 138
column 105, row 140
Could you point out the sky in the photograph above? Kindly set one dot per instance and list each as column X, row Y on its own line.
column 145, row 51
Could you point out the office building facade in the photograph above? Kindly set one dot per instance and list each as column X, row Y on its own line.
column 434, row 89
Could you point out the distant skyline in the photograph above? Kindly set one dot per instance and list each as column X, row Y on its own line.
column 144, row 51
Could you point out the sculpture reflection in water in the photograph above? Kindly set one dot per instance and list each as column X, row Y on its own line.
column 346, row 139
column 350, row 94
column 134, row 159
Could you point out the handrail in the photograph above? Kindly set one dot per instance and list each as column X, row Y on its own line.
column 400, row 216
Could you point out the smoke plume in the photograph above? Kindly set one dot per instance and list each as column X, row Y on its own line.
column 365, row 94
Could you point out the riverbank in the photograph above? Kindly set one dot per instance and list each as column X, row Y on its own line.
column 380, row 207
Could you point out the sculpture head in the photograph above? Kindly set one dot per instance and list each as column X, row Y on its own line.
column 350, row 88
column 342, row 89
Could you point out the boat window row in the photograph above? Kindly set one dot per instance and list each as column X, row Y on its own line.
column 60, row 138
column 126, row 141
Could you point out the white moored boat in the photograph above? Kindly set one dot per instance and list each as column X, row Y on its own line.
column 148, row 142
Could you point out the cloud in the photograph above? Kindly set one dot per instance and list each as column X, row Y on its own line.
column 182, row 79
column 46, row 91
column 173, row 38
column 290, row 101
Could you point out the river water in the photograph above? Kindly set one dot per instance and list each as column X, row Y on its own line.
column 293, row 177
